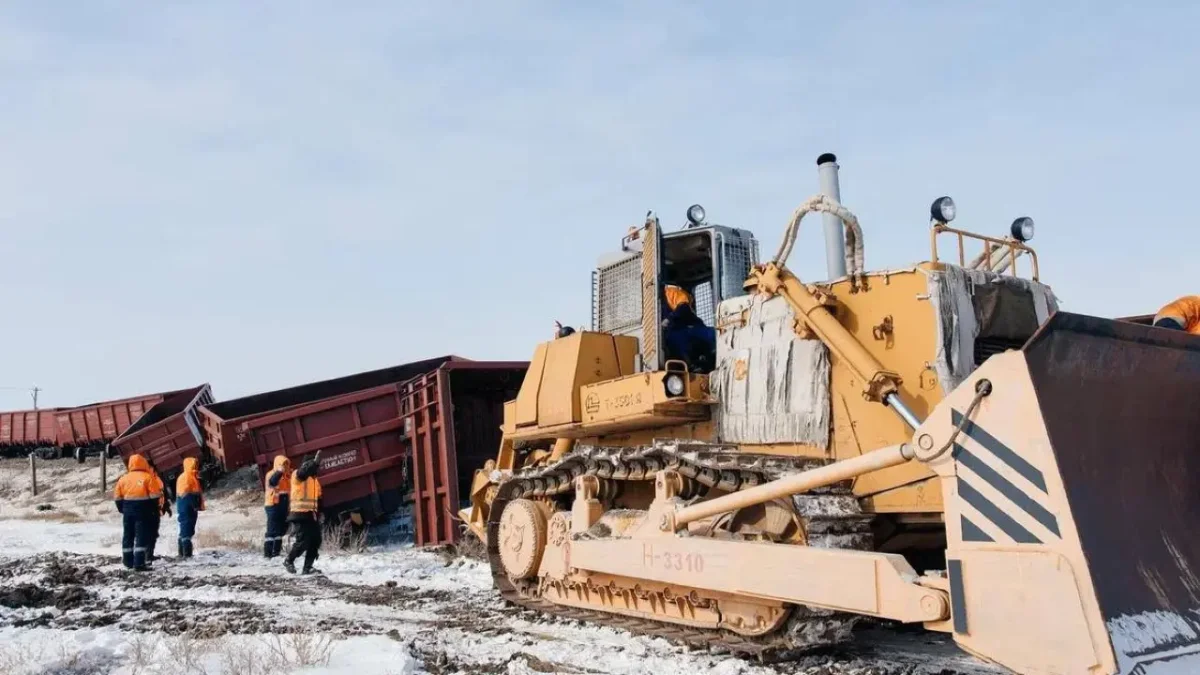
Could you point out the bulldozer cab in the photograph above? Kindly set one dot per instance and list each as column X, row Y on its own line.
column 708, row 261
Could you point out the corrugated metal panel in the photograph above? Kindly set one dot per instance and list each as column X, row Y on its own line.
column 771, row 386
column 435, row 496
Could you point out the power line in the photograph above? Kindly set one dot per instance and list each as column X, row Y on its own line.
column 33, row 391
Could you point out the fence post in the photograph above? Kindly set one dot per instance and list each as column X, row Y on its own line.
column 104, row 471
column 33, row 472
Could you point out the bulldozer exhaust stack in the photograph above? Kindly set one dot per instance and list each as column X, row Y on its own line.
column 835, row 239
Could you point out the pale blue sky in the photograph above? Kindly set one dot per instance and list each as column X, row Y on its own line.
column 263, row 194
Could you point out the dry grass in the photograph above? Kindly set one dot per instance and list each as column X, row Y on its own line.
column 60, row 483
column 55, row 658
column 54, row 516
column 470, row 546
column 234, row 540
column 187, row 654
column 343, row 537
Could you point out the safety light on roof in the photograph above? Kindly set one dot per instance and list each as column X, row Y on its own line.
column 1022, row 228
column 695, row 214
column 943, row 210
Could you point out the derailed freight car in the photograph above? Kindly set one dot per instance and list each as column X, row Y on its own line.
column 452, row 420
column 363, row 466
column 88, row 428
column 232, row 448
column 168, row 433
column 25, row 431
column 381, row 446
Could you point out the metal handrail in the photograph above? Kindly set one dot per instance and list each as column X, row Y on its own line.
column 990, row 246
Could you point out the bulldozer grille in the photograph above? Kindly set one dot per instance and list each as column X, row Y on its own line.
column 1121, row 405
column 617, row 297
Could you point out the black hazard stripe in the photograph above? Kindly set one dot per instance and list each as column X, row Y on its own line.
column 1001, row 451
column 986, row 507
column 995, row 514
column 971, row 532
column 958, row 596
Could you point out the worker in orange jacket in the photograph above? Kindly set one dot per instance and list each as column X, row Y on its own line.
column 278, row 488
column 685, row 336
column 189, row 502
column 304, row 513
column 164, row 508
column 137, row 495
column 1183, row 314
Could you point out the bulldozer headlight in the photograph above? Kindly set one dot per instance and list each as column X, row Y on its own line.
column 943, row 210
column 1022, row 228
column 675, row 385
column 695, row 214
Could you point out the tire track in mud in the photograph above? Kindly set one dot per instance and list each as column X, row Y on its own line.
column 81, row 591
column 73, row 591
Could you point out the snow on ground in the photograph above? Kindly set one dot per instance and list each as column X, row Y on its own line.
column 67, row 605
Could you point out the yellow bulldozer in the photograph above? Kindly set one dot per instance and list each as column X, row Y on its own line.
column 933, row 445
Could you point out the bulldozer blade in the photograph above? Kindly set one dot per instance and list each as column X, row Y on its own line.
column 1121, row 407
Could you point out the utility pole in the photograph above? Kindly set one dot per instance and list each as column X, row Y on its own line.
column 35, row 391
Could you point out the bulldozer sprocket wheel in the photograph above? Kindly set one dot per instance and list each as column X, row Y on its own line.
column 522, row 538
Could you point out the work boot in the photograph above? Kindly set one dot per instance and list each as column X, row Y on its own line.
column 127, row 558
column 181, row 554
column 268, row 549
column 289, row 565
column 187, row 548
column 310, row 570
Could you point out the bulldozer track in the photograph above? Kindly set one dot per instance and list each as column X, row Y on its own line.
column 831, row 514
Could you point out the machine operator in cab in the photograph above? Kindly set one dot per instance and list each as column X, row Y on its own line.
column 304, row 513
column 1183, row 314
column 685, row 336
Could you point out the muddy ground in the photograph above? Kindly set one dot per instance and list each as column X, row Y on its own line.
column 66, row 591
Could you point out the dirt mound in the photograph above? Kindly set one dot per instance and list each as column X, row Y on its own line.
column 60, row 572
column 240, row 486
column 30, row 595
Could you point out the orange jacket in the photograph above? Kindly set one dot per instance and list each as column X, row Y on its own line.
column 1184, row 311
column 676, row 296
column 280, row 475
column 188, row 482
column 161, row 487
column 139, row 484
column 306, row 494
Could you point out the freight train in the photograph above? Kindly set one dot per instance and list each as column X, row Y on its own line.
column 386, row 437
